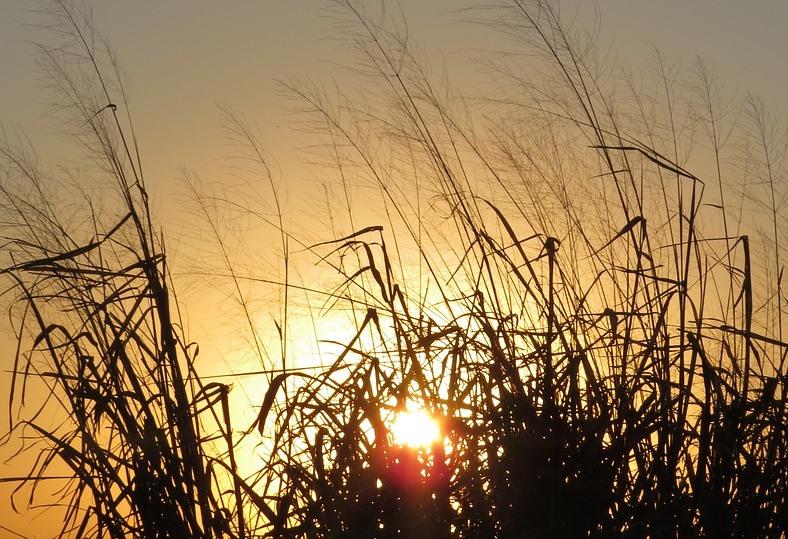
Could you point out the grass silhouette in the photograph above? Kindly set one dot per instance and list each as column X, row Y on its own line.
column 600, row 364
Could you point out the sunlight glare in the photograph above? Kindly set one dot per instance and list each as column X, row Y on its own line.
column 415, row 429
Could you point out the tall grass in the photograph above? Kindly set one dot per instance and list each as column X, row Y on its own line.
column 601, row 343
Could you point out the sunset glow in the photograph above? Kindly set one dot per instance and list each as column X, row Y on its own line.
column 359, row 268
column 415, row 428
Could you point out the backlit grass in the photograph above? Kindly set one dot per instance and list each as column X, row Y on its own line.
column 596, row 328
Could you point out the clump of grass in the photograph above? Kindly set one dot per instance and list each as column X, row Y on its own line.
column 590, row 382
column 600, row 363
column 122, row 406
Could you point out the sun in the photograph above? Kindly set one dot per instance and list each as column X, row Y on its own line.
column 415, row 428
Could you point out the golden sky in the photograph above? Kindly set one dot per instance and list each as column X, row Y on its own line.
column 182, row 57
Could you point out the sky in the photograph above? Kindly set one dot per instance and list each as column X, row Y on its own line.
column 183, row 58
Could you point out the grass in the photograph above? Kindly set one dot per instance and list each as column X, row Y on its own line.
column 604, row 361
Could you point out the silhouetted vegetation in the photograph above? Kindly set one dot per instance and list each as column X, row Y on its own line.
column 597, row 327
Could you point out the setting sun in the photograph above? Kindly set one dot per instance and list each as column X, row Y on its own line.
column 415, row 428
